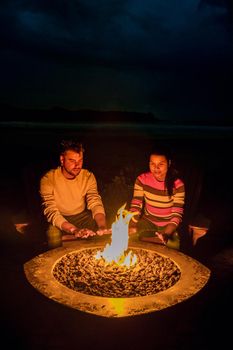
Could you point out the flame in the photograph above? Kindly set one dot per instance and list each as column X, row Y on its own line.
column 116, row 251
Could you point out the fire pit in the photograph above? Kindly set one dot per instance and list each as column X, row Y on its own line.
column 189, row 276
column 81, row 272
column 116, row 276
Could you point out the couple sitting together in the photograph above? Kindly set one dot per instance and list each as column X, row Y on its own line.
column 74, row 209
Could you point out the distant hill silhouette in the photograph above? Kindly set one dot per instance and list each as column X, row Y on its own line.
column 59, row 114
column 87, row 116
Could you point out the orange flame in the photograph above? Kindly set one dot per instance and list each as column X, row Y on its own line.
column 116, row 251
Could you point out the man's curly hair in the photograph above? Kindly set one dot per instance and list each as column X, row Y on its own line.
column 71, row 145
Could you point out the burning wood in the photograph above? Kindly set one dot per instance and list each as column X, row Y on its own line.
column 117, row 271
column 82, row 272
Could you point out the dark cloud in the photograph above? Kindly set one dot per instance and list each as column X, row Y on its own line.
column 116, row 31
column 158, row 49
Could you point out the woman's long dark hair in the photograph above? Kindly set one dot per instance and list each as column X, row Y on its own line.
column 171, row 177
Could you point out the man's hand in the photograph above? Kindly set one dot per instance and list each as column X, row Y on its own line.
column 103, row 231
column 68, row 228
column 100, row 220
column 83, row 233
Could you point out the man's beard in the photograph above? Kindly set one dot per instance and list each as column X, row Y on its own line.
column 74, row 172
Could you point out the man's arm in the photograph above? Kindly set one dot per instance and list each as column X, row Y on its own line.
column 94, row 203
column 100, row 219
column 49, row 205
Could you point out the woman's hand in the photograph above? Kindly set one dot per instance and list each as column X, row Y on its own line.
column 162, row 237
column 132, row 230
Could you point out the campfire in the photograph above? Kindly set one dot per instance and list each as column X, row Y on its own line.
column 117, row 250
column 117, row 271
column 116, row 276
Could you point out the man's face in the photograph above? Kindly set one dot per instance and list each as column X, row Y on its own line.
column 71, row 163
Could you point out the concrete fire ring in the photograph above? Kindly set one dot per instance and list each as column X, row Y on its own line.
column 39, row 272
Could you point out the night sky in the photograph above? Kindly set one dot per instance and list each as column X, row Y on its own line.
column 170, row 58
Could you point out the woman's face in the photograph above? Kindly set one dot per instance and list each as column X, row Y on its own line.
column 158, row 166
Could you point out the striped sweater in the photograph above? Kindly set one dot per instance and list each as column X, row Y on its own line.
column 152, row 202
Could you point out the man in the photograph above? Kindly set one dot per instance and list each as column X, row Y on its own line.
column 70, row 199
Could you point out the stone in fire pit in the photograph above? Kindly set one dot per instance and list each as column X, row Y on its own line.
column 72, row 276
column 82, row 272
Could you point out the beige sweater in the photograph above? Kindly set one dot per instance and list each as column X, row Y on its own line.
column 61, row 196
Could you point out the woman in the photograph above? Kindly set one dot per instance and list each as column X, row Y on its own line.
column 158, row 202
